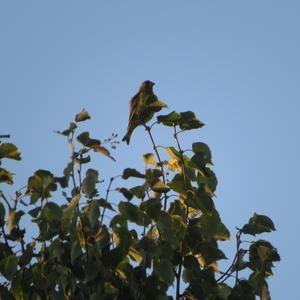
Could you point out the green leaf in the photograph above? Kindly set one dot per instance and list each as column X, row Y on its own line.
column 261, row 257
column 82, row 160
column 63, row 182
column 104, row 203
column 40, row 185
column 6, row 176
column 170, row 119
column 82, row 116
column 85, row 140
column 102, row 238
column 223, row 291
column 2, row 214
column 133, row 213
column 243, row 290
column 166, row 229
column 123, row 238
column 177, row 208
column 8, row 150
column 212, row 226
column 189, row 121
column 260, row 285
column 185, row 120
column 207, row 177
column 203, row 201
column 68, row 131
column 51, row 212
column 126, row 193
column 68, row 170
column 138, row 191
column 258, row 224
column 203, row 151
column 89, row 183
column 76, row 251
column 34, row 212
column 152, row 207
column 129, row 172
column 165, row 271
column 177, row 184
column 93, row 212
column 9, row 266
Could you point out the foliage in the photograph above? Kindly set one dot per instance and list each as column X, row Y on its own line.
column 165, row 230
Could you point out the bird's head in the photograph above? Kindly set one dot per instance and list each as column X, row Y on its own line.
column 147, row 86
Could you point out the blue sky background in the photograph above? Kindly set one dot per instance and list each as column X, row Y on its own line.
column 234, row 63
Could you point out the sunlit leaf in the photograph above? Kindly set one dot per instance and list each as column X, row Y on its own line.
column 157, row 105
column 6, row 176
column 14, row 218
column 8, row 150
column 159, row 187
column 68, row 211
column 103, row 151
column 149, row 159
column 135, row 255
column 82, row 116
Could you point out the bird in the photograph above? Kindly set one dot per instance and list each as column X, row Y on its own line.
column 142, row 107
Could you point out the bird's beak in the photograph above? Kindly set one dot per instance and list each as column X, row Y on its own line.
column 153, row 83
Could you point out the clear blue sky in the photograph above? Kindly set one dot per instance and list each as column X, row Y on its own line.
column 234, row 63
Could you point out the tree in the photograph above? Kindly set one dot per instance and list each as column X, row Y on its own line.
column 165, row 231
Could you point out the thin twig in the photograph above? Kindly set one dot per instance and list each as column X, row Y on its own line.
column 106, row 198
column 187, row 211
column 159, row 161
column 229, row 271
column 79, row 173
column 238, row 243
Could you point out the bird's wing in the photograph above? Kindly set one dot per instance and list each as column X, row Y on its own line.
column 134, row 106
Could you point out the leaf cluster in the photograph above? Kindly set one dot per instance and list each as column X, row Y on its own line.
column 164, row 229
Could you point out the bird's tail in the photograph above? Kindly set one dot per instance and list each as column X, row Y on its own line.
column 127, row 137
